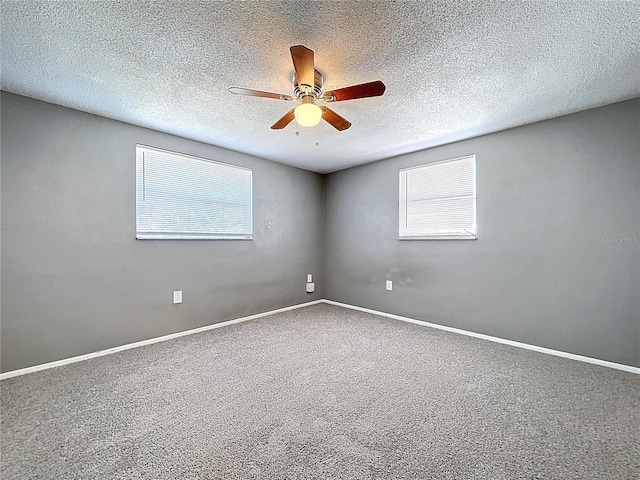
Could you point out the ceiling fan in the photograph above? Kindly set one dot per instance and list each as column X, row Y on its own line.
column 307, row 89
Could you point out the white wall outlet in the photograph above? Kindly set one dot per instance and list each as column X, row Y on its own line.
column 177, row 296
column 311, row 287
column 309, row 278
column 389, row 285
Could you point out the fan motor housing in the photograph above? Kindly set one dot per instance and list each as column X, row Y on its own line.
column 303, row 90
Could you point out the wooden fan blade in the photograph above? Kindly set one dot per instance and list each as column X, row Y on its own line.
column 284, row 121
column 371, row 89
column 258, row 93
column 334, row 119
column 303, row 63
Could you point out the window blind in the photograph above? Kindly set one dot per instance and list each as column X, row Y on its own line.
column 183, row 197
column 438, row 200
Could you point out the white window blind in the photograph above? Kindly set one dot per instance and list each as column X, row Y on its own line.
column 438, row 200
column 183, row 197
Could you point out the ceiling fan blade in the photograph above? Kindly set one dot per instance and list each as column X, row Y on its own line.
column 371, row 89
column 258, row 93
column 303, row 63
column 334, row 119
column 284, row 121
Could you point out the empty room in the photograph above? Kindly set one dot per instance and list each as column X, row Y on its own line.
column 320, row 240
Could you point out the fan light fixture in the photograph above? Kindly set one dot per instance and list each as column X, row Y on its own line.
column 307, row 89
column 308, row 114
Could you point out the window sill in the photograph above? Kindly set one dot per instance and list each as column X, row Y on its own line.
column 147, row 236
column 441, row 237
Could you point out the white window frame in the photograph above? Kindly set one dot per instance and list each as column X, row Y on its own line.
column 405, row 232
column 144, row 221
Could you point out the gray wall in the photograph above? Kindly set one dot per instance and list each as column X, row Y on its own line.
column 75, row 280
column 554, row 198
column 551, row 267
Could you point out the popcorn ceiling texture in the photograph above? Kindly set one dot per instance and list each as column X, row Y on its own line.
column 453, row 70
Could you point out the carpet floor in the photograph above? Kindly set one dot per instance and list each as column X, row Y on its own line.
column 322, row 393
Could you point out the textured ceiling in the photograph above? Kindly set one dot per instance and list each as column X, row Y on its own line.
column 453, row 69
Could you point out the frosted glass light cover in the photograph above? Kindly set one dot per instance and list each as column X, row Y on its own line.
column 308, row 114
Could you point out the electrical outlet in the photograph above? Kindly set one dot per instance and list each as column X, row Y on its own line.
column 177, row 296
column 389, row 285
column 309, row 278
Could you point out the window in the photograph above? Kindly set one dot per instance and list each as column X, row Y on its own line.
column 438, row 200
column 183, row 197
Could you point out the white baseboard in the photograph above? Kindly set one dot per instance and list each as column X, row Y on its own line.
column 535, row 348
column 109, row 351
